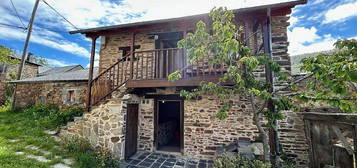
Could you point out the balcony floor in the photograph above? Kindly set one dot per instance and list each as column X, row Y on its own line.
column 192, row 81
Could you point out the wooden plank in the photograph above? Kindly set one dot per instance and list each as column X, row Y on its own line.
column 193, row 81
column 147, row 66
column 131, row 133
column 90, row 75
column 354, row 135
column 132, row 54
column 167, row 63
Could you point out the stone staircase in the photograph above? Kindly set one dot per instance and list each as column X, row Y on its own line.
column 102, row 126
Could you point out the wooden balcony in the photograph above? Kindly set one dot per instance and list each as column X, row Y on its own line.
column 151, row 68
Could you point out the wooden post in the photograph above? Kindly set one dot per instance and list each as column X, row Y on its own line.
column 90, row 75
column 132, row 55
column 273, row 139
column 354, row 135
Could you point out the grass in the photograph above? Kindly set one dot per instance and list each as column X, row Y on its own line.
column 28, row 126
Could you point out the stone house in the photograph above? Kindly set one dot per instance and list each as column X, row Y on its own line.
column 63, row 89
column 31, row 69
column 133, row 107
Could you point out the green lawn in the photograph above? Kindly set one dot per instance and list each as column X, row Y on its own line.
column 22, row 131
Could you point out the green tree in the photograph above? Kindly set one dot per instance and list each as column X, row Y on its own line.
column 5, row 54
column 331, row 78
column 221, row 47
column 40, row 60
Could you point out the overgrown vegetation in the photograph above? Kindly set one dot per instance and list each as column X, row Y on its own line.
column 332, row 78
column 103, row 158
column 28, row 126
column 226, row 161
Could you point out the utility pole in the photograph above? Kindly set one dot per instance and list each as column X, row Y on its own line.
column 24, row 52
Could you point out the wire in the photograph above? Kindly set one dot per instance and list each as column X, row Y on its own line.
column 59, row 14
column 17, row 14
column 13, row 26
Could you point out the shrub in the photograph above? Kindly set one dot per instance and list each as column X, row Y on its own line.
column 106, row 160
column 67, row 115
column 86, row 156
column 76, row 144
column 41, row 111
column 238, row 161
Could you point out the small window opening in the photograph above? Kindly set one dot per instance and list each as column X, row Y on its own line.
column 70, row 96
column 126, row 52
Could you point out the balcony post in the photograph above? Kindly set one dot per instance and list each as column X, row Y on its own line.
column 91, row 67
column 132, row 55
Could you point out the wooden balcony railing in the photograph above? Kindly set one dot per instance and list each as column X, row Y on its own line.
column 149, row 65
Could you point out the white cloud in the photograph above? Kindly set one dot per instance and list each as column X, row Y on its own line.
column 341, row 13
column 303, row 35
column 293, row 20
column 57, row 63
column 306, row 40
column 46, row 38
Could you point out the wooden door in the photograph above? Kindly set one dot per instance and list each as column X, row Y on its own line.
column 131, row 136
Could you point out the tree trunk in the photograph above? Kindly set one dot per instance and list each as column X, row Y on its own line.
column 262, row 132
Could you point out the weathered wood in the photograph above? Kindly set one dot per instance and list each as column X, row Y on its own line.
column 131, row 134
column 354, row 135
column 90, row 75
column 331, row 117
column 132, row 54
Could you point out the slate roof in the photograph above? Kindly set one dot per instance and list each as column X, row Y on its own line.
column 56, row 70
column 16, row 56
column 72, row 76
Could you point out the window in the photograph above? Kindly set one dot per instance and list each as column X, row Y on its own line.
column 126, row 52
column 70, row 96
column 3, row 68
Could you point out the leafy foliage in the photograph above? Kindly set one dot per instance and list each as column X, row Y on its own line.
column 5, row 56
column 333, row 77
column 51, row 117
column 238, row 161
column 221, row 47
column 90, row 157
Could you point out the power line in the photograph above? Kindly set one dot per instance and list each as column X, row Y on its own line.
column 59, row 14
column 13, row 26
column 17, row 14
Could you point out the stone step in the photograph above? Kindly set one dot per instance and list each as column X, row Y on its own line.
column 77, row 118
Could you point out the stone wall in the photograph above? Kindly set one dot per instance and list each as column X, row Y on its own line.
column 28, row 94
column 204, row 132
column 280, row 42
column 29, row 71
column 103, row 126
column 293, row 139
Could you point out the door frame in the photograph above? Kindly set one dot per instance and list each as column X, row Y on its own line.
column 156, row 121
column 127, row 132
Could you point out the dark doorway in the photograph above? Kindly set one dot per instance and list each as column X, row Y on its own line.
column 131, row 135
column 169, row 126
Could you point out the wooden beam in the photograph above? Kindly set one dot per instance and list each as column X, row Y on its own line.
column 90, row 75
column 132, row 54
column 194, row 81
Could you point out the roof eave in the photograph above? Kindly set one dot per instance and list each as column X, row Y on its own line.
column 128, row 25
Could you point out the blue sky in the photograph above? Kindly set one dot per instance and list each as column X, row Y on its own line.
column 314, row 26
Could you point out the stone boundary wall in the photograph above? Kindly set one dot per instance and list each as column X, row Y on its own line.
column 28, row 94
column 293, row 139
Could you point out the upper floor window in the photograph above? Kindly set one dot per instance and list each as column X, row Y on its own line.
column 126, row 52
